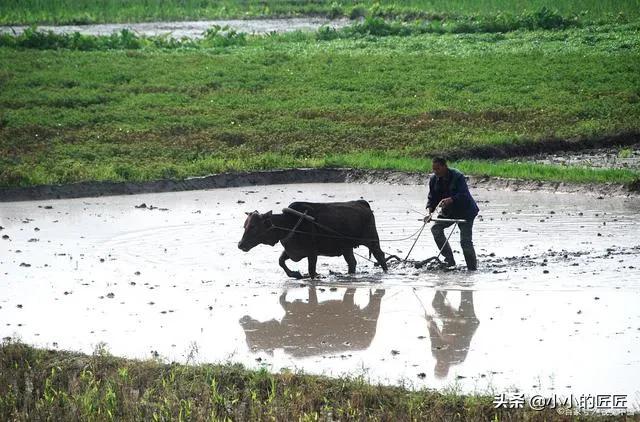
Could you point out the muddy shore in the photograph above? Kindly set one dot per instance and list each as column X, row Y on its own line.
column 303, row 175
column 603, row 158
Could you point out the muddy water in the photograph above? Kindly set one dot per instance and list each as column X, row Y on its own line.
column 191, row 29
column 552, row 309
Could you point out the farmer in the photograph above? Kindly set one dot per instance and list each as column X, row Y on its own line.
column 448, row 187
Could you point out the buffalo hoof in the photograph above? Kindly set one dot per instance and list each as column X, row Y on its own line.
column 296, row 275
column 378, row 293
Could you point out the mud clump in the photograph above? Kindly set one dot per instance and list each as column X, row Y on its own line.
column 144, row 206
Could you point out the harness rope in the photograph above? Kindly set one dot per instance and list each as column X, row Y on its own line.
column 296, row 226
column 341, row 236
column 416, row 241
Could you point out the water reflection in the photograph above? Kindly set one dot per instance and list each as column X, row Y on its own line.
column 451, row 340
column 315, row 328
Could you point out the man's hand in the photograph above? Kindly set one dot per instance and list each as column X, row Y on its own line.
column 447, row 201
column 427, row 218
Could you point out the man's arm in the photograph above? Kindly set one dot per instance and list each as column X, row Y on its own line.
column 431, row 199
column 431, row 205
column 461, row 189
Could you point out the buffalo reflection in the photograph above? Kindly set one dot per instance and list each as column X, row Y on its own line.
column 314, row 328
column 450, row 344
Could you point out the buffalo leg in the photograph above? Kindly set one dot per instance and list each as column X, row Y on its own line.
column 313, row 259
column 348, row 297
column 282, row 262
column 372, row 310
column 374, row 248
column 313, row 296
column 351, row 260
column 283, row 300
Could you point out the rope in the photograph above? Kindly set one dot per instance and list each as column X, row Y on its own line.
column 364, row 257
column 420, row 300
column 341, row 236
column 420, row 264
column 296, row 226
column 447, row 241
column 416, row 241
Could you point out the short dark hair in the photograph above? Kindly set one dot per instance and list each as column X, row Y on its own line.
column 439, row 160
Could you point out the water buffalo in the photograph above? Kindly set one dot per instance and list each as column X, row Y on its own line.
column 338, row 227
column 311, row 328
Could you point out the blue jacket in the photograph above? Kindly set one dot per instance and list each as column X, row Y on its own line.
column 453, row 185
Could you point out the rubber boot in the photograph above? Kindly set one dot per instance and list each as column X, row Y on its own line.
column 443, row 245
column 447, row 253
column 470, row 259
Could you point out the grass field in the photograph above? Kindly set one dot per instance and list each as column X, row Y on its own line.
column 87, row 11
column 138, row 109
column 38, row 384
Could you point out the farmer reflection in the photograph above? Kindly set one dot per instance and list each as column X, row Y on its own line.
column 450, row 344
column 314, row 328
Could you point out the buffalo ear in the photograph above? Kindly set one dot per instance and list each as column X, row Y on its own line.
column 267, row 220
column 248, row 213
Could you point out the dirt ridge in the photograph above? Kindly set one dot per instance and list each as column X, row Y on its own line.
column 297, row 175
column 542, row 146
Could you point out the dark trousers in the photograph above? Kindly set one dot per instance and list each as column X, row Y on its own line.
column 466, row 242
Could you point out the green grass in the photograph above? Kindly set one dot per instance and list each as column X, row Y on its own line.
column 39, row 384
column 87, row 11
column 67, row 171
column 625, row 153
column 491, row 168
column 130, row 108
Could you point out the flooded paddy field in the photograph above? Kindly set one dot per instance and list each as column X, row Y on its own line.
column 553, row 307
column 189, row 29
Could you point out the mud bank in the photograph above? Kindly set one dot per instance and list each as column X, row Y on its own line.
column 544, row 146
column 190, row 29
column 552, row 308
column 261, row 178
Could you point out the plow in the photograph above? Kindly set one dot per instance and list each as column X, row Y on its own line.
column 432, row 263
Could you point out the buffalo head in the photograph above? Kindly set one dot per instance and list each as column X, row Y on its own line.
column 258, row 229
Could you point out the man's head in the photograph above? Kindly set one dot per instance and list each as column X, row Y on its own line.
column 439, row 166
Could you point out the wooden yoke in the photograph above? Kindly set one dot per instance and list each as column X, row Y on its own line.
column 299, row 214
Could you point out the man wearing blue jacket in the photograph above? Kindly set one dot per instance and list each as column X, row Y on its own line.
column 449, row 187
